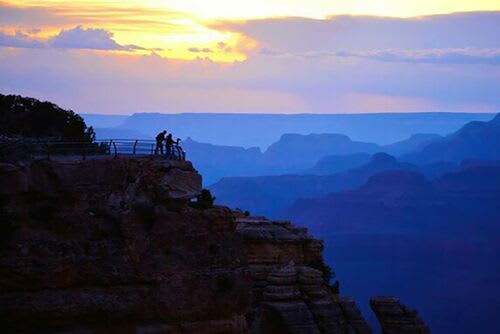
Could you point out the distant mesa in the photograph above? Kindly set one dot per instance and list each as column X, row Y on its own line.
column 311, row 144
column 414, row 142
column 303, row 151
column 496, row 120
column 433, row 156
column 262, row 130
column 475, row 140
column 338, row 163
column 397, row 180
column 119, row 133
column 293, row 153
column 270, row 195
column 217, row 161
column 335, row 163
column 383, row 158
column 403, row 201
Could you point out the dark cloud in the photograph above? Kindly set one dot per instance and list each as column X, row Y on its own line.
column 19, row 40
column 224, row 47
column 465, row 30
column 429, row 56
column 76, row 38
column 81, row 38
column 200, row 50
column 434, row 56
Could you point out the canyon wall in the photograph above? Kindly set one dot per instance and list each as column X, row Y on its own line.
column 121, row 246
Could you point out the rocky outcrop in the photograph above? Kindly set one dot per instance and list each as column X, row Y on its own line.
column 396, row 318
column 290, row 295
column 116, row 246
column 170, row 179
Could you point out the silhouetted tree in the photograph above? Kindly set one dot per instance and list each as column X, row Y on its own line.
column 28, row 117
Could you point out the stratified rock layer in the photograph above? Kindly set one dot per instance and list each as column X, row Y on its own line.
column 396, row 318
column 290, row 295
column 116, row 246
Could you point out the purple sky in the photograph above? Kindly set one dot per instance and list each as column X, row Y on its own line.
column 342, row 64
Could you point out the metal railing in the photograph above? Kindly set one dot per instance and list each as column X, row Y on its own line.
column 111, row 147
column 136, row 147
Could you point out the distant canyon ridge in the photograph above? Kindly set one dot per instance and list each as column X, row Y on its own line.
column 235, row 145
column 262, row 130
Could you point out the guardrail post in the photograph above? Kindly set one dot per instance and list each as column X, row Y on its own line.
column 135, row 145
column 116, row 151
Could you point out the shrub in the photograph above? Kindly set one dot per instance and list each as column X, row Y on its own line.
column 335, row 287
column 28, row 117
column 205, row 200
column 328, row 275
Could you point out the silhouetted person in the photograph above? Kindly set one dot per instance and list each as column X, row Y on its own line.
column 160, row 138
column 170, row 142
column 181, row 155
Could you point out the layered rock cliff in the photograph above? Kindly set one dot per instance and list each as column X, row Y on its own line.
column 289, row 294
column 118, row 246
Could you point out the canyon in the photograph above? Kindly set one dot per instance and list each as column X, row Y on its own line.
column 125, row 245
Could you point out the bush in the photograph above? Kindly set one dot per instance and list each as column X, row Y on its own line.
column 335, row 287
column 31, row 118
column 205, row 200
column 328, row 275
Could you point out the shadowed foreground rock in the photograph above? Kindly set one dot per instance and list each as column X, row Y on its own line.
column 115, row 246
column 396, row 318
column 290, row 296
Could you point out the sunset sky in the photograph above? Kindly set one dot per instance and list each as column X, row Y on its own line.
column 273, row 56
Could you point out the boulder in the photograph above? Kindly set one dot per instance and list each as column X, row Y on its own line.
column 396, row 318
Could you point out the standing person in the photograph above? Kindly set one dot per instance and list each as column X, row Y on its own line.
column 181, row 155
column 170, row 142
column 160, row 138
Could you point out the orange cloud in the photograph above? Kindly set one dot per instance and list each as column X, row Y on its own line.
column 171, row 34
